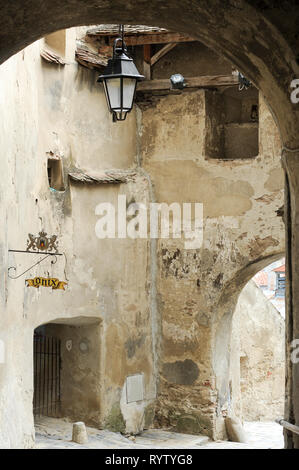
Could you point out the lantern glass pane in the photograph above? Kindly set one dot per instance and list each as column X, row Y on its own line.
column 113, row 91
column 129, row 90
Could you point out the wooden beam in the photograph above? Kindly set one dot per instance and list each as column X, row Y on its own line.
column 147, row 53
column 113, row 30
column 162, row 38
column 289, row 426
column 147, row 61
column 162, row 52
column 205, row 81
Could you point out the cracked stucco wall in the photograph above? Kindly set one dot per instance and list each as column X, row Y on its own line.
column 198, row 289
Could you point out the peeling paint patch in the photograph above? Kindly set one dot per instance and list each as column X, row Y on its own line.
column 180, row 264
column 181, row 372
column 275, row 181
column 218, row 281
column 259, row 245
column 267, row 198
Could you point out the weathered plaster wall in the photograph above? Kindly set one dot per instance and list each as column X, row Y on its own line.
column 198, row 289
column 62, row 110
column 136, row 288
column 258, row 362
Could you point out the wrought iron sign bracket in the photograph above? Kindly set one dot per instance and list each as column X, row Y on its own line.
column 46, row 255
column 40, row 245
column 35, row 252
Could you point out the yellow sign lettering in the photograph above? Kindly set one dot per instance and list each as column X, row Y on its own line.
column 46, row 282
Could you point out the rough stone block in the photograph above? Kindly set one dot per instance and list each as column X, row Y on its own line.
column 79, row 433
column 235, row 430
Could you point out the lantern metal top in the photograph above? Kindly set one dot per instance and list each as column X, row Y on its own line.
column 121, row 65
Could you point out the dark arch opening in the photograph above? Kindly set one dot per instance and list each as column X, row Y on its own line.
column 67, row 370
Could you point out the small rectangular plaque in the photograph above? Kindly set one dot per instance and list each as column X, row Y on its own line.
column 135, row 388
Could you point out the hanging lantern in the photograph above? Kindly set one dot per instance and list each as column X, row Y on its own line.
column 120, row 78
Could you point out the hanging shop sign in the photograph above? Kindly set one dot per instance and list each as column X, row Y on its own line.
column 46, row 282
column 45, row 247
column 41, row 245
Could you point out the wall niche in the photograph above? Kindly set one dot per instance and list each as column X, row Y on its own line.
column 55, row 173
column 232, row 128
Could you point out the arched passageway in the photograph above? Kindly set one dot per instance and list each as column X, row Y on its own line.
column 223, row 334
column 257, row 348
column 259, row 335
column 252, row 343
column 259, row 39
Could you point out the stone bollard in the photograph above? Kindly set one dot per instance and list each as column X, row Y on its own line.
column 79, row 433
column 235, row 430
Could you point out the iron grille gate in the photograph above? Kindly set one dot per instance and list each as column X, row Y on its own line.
column 47, row 365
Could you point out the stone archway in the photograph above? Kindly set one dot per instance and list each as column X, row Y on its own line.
column 259, row 37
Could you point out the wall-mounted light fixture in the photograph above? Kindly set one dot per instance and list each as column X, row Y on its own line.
column 177, row 81
column 120, row 78
column 244, row 83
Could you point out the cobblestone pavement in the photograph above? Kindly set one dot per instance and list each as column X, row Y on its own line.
column 54, row 433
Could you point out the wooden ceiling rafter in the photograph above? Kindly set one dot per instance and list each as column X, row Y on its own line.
column 204, row 81
column 162, row 52
column 102, row 38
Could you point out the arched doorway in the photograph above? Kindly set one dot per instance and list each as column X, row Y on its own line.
column 258, row 352
column 224, row 360
column 67, row 370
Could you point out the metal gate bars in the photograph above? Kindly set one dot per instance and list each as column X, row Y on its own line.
column 47, row 365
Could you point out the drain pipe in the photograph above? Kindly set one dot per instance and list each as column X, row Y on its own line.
column 289, row 426
column 156, row 322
